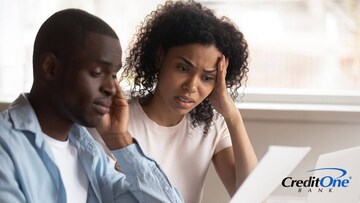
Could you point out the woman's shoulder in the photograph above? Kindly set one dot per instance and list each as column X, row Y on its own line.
column 218, row 118
column 134, row 106
column 217, row 124
column 133, row 102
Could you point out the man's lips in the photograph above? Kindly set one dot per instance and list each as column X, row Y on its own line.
column 102, row 107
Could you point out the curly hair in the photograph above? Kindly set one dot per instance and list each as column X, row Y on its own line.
column 181, row 23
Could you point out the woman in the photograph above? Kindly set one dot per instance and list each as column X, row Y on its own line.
column 182, row 61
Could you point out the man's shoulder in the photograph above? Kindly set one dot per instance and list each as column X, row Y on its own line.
column 8, row 134
column 5, row 122
column 9, row 129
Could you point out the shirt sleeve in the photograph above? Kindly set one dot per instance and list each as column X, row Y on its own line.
column 148, row 183
column 9, row 187
column 224, row 135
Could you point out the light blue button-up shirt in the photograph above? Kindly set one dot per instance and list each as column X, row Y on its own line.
column 28, row 172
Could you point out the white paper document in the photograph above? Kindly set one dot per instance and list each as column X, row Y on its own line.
column 339, row 175
column 275, row 165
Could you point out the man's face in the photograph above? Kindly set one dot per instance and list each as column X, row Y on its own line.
column 86, row 86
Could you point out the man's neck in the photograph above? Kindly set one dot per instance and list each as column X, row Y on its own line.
column 52, row 124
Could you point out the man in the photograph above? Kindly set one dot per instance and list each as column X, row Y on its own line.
column 46, row 154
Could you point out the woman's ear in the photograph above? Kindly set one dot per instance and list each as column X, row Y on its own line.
column 49, row 66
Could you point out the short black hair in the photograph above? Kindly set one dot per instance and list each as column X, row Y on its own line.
column 64, row 33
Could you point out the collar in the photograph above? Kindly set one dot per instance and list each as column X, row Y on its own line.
column 24, row 118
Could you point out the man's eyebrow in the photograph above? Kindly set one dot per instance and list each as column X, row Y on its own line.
column 189, row 63
column 108, row 64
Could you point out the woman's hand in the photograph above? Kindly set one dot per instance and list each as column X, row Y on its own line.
column 219, row 97
column 234, row 163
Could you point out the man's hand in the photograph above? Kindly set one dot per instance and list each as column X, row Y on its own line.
column 114, row 125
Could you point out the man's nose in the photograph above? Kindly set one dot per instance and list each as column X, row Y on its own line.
column 108, row 86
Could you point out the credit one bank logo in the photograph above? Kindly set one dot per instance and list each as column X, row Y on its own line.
column 327, row 182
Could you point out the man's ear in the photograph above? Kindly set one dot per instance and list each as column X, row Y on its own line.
column 49, row 66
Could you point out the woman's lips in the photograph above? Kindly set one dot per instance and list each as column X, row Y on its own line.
column 184, row 102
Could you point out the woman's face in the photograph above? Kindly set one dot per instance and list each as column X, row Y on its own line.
column 187, row 76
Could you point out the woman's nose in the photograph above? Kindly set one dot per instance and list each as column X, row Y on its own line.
column 190, row 85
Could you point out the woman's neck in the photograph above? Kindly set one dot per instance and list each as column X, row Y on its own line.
column 160, row 114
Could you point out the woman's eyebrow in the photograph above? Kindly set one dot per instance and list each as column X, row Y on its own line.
column 189, row 63
column 210, row 71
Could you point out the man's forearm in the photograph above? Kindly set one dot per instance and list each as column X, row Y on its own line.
column 145, row 176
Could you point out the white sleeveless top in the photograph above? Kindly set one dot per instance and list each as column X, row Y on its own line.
column 183, row 152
